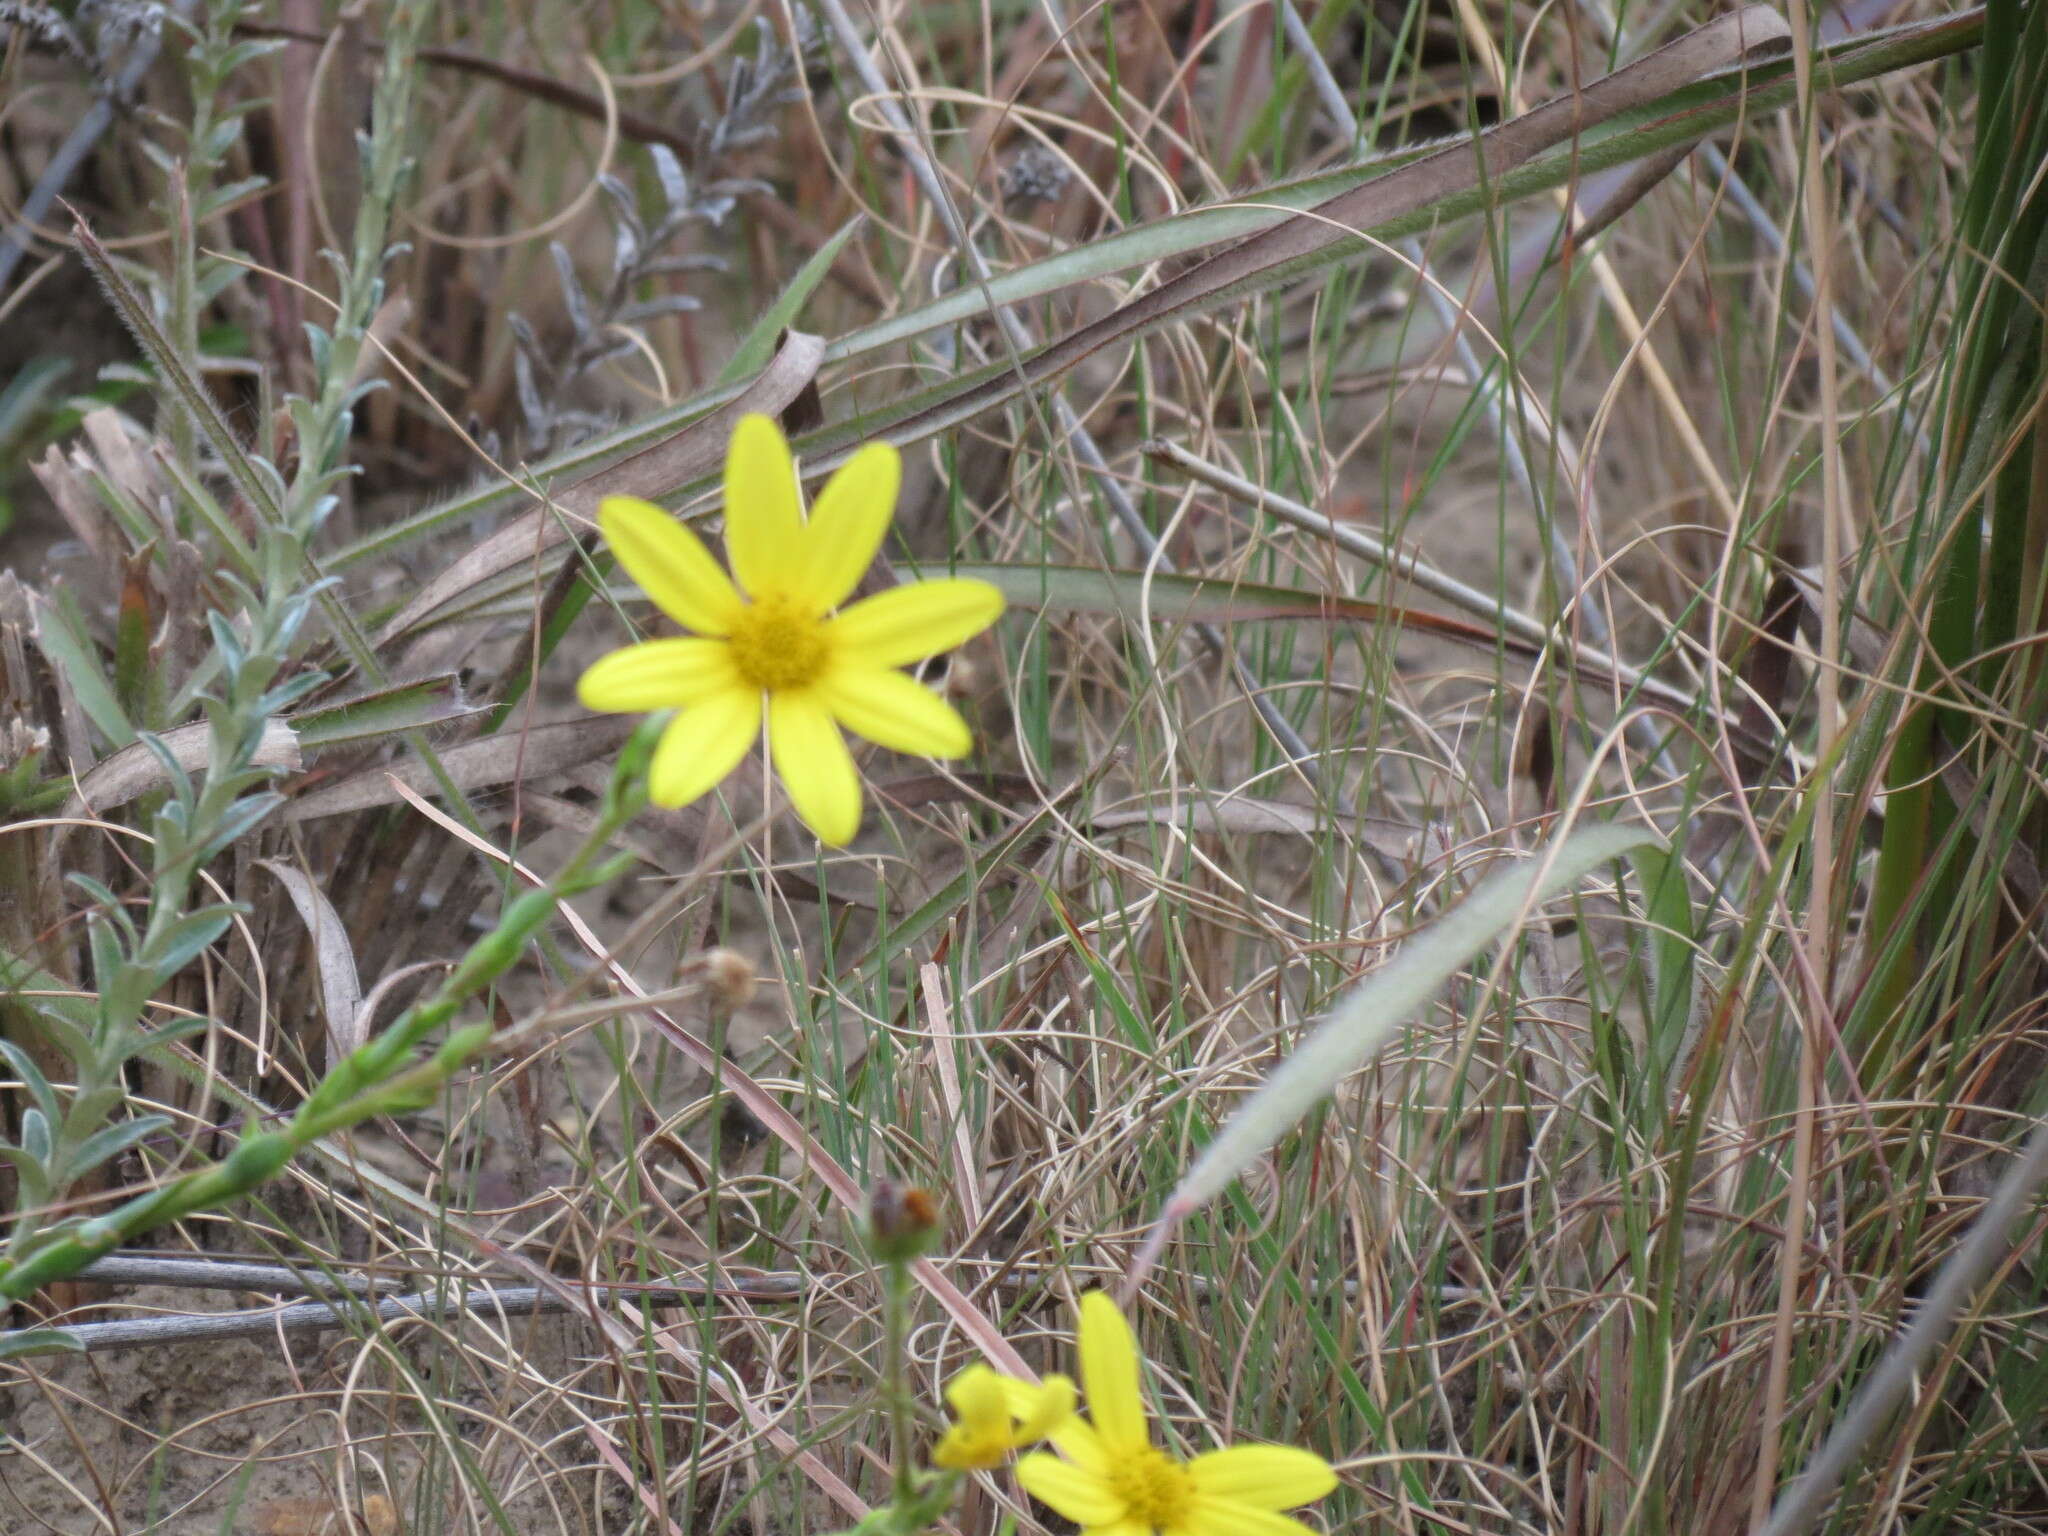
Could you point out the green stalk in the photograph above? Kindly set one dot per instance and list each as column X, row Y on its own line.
column 1968, row 546
column 323, row 423
column 896, row 1288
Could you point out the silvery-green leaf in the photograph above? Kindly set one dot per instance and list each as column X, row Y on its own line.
column 36, row 1140
column 111, row 1141
column 183, row 941
column 30, row 1076
column 39, row 1341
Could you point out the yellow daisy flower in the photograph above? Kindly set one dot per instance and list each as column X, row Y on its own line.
column 1115, row 1482
column 996, row 1414
column 774, row 644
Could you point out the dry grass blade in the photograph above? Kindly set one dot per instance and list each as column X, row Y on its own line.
column 771, row 1112
column 765, row 1107
column 1860, row 59
column 939, row 1014
column 316, row 1316
column 135, row 310
column 1749, row 36
column 1207, row 599
column 341, row 991
column 1905, row 1364
column 1385, row 478
column 1240, row 814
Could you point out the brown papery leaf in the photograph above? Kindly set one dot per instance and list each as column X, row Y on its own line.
column 135, row 770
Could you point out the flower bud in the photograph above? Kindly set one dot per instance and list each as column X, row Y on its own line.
column 903, row 1221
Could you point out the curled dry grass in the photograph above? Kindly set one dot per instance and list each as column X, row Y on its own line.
column 1509, row 1280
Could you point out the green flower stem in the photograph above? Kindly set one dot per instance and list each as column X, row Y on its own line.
column 896, row 1288
column 376, row 1079
column 132, row 966
column 194, row 177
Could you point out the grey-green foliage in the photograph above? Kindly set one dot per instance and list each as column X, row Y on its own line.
column 93, row 34
column 322, row 420
column 193, row 159
column 601, row 320
column 386, row 1075
column 257, row 674
column 65, row 1137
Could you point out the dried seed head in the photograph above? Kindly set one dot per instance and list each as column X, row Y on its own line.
column 730, row 976
column 1035, row 175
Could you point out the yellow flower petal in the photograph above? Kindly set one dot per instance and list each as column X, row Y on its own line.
column 671, row 564
column 811, row 757
column 1109, row 1375
column 1219, row 1517
column 913, row 621
column 961, row 1449
column 1022, row 1397
column 1266, row 1476
column 657, row 674
column 1038, row 1410
column 703, row 744
column 1079, row 1442
column 1082, row 1496
column 764, row 521
column 847, row 526
column 894, row 710
column 996, row 1414
column 977, row 1396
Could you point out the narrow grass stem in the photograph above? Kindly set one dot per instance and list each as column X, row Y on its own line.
column 1906, row 1361
column 1411, row 567
column 311, row 1316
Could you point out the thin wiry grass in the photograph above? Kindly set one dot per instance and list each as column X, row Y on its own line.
column 1506, row 1280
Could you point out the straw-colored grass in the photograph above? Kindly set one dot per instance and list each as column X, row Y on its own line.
column 1608, row 1237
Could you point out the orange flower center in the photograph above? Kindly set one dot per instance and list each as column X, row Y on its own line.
column 1156, row 1488
column 776, row 645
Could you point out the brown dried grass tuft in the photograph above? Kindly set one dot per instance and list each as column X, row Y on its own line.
column 1508, row 1280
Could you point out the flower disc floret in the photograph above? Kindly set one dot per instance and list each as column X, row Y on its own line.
column 1115, row 1482
column 777, row 646
column 1155, row 1488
